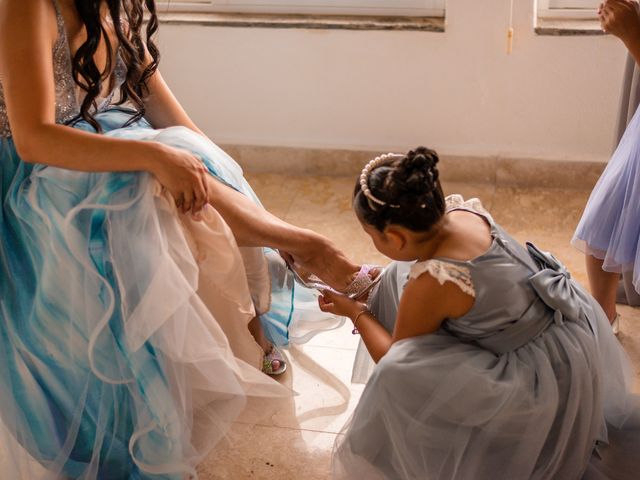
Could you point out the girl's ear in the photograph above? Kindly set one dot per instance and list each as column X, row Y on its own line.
column 396, row 237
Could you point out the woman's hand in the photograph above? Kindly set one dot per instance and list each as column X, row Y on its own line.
column 184, row 176
column 621, row 18
column 339, row 304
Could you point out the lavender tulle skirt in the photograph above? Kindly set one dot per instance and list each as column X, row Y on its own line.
column 610, row 225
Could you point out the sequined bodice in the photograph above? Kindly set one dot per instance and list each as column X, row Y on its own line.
column 67, row 101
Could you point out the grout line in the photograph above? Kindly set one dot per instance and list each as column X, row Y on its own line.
column 283, row 427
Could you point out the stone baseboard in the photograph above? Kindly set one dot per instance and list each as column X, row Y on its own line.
column 498, row 171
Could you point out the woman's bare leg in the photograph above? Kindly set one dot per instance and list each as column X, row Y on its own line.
column 253, row 226
column 604, row 286
column 256, row 330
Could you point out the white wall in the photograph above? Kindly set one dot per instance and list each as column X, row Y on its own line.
column 458, row 91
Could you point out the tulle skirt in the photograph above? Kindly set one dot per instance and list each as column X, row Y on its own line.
column 124, row 349
column 610, row 226
column 439, row 408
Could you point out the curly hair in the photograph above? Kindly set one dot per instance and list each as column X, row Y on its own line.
column 410, row 188
column 128, row 19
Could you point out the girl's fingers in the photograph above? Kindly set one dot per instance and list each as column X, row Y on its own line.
column 325, row 306
column 330, row 295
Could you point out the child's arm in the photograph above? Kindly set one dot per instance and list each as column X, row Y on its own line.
column 375, row 337
column 425, row 304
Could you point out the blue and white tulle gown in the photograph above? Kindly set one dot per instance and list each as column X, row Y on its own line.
column 610, row 225
column 124, row 349
column 529, row 384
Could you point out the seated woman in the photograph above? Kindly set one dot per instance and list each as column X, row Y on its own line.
column 493, row 363
column 131, row 263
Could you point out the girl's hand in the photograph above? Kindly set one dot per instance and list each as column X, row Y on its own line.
column 620, row 18
column 184, row 176
column 339, row 304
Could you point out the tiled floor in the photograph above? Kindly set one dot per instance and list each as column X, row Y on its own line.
column 296, row 442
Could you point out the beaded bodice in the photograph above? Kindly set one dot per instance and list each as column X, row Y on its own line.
column 68, row 100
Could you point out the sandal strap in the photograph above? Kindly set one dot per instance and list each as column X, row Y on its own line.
column 267, row 362
column 363, row 281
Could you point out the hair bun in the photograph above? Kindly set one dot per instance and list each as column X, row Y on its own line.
column 417, row 172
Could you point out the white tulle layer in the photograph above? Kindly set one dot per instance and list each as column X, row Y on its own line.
column 124, row 350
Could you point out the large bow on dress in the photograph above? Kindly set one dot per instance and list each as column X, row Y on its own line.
column 556, row 289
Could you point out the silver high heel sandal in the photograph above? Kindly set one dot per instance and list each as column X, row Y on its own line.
column 361, row 284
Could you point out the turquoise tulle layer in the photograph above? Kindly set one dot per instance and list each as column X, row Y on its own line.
column 111, row 365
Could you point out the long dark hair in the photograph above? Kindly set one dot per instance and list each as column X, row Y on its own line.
column 128, row 19
column 410, row 188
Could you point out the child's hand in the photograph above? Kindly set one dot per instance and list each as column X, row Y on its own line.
column 620, row 18
column 339, row 304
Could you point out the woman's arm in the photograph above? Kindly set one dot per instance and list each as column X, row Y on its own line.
column 621, row 18
column 27, row 34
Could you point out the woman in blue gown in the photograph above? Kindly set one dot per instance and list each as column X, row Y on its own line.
column 131, row 261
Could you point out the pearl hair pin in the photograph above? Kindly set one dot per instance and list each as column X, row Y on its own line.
column 364, row 178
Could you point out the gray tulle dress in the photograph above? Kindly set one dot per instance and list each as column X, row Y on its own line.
column 530, row 384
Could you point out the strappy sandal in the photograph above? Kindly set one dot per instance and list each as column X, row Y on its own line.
column 363, row 283
column 267, row 362
column 360, row 286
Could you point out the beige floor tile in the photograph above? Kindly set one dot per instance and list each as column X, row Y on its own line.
column 296, row 441
column 325, row 397
column 339, row 338
column 275, row 191
column 538, row 210
column 486, row 193
column 267, row 453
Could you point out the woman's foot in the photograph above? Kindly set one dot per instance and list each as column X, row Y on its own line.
column 320, row 257
column 273, row 361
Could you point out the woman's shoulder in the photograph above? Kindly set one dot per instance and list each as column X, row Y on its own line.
column 26, row 16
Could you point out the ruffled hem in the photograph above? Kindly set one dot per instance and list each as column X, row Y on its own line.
column 610, row 227
column 124, row 349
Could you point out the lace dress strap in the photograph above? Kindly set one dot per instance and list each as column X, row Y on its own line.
column 445, row 272
column 474, row 205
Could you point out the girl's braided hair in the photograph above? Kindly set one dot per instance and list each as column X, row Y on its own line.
column 408, row 191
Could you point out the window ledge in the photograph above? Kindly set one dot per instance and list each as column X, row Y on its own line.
column 568, row 27
column 316, row 22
